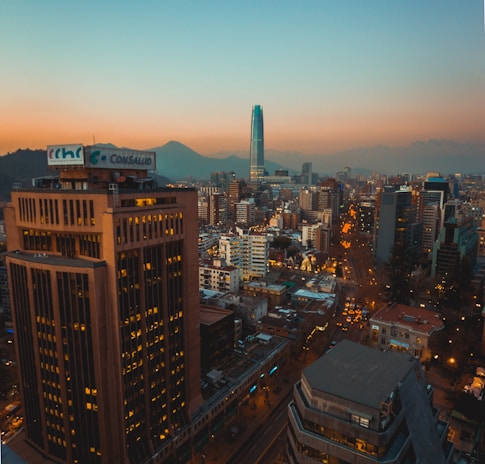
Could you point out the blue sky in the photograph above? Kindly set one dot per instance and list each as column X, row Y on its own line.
column 330, row 74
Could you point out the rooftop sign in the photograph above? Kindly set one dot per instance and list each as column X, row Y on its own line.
column 117, row 158
column 65, row 155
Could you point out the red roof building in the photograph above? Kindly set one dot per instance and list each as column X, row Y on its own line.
column 405, row 328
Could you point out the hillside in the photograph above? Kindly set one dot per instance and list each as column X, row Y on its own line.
column 20, row 167
column 177, row 161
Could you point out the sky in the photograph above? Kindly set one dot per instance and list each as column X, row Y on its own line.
column 330, row 74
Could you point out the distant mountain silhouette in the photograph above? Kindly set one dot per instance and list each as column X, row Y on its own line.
column 444, row 156
column 177, row 161
column 21, row 167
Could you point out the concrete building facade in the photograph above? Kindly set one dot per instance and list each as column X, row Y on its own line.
column 105, row 308
column 360, row 405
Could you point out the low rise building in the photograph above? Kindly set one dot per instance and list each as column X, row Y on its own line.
column 360, row 405
column 249, row 309
column 275, row 293
column 216, row 276
column 404, row 328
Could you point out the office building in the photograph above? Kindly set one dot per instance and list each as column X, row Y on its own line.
column 361, row 405
column 435, row 182
column 330, row 198
column 217, row 330
column 245, row 212
column 307, row 201
column 217, row 209
column 105, row 305
column 395, row 223
column 306, row 174
column 365, row 215
column 457, row 241
column 256, row 151
column 430, row 207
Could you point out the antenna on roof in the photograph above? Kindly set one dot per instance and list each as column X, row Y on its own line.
column 94, row 140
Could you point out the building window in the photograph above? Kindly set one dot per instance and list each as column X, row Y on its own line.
column 360, row 420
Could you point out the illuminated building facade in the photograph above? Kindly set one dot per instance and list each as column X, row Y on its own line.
column 105, row 307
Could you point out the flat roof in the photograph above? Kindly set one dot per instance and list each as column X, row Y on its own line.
column 418, row 319
column 258, row 284
column 55, row 260
column 320, row 296
column 209, row 315
column 359, row 373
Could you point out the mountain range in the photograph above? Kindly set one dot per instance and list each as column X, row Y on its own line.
column 176, row 161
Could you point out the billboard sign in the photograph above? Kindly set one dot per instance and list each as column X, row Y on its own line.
column 65, row 155
column 118, row 158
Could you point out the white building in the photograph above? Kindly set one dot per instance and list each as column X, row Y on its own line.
column 248, row 252
column 207, row 241
column 255, row 256
column 230, row 249
column 218, row 277
column 245, row 212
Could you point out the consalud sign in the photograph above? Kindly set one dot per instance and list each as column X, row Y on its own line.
column 119, row 159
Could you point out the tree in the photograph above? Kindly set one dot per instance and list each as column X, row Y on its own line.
column 453, row 287
column 282, row 242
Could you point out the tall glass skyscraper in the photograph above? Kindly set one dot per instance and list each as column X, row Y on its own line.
column 256, row 152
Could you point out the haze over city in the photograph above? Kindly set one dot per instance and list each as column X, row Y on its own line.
column 331, row 76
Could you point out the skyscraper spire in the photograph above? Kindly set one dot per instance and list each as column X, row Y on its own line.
column 256, row 152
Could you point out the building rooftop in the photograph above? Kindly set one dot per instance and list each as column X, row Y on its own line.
column 210, row 315
column 259, row 284
column 329, row 298
column 227, row 268
column 55, row 260
column 417, row 319
column 358, row 373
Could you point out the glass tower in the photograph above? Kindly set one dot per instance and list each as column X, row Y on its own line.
column 256, row 152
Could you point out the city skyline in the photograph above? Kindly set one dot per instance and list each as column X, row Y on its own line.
column 330, row 75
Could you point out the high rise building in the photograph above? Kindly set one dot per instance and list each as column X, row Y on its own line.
column 217, row 208
column 105, row 307
column 395, row 222
column 457, row 240
column 306, row 174
column 256, row 151
column 429, row 210
column 249, row 252
column 362, row 405
column 245, row 212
